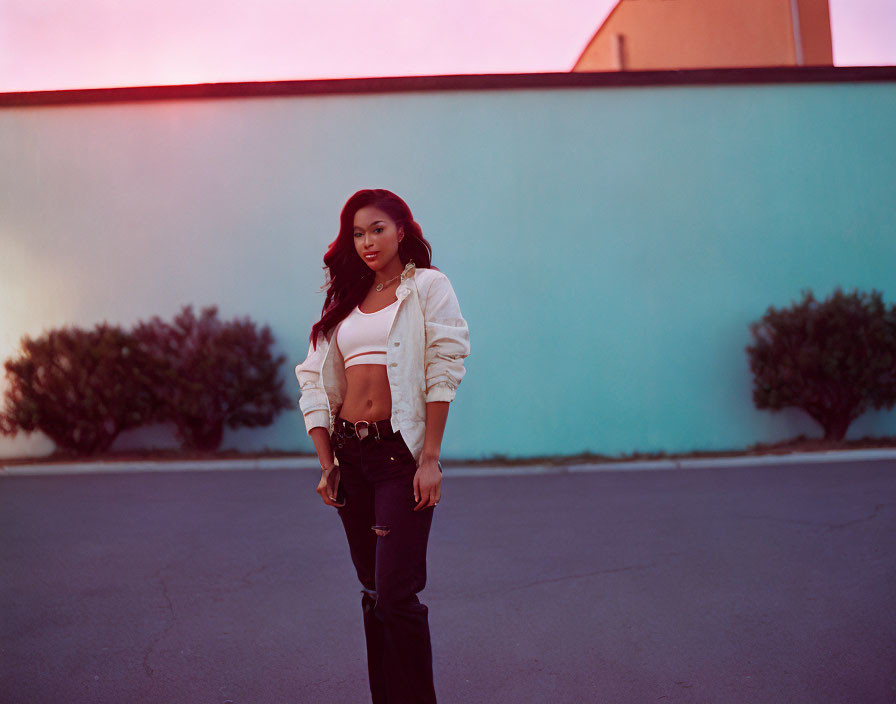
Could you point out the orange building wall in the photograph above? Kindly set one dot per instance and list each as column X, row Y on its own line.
column 815, row 24
column 665, row 34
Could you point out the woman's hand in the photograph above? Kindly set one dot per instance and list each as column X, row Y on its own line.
column 329, row 485
column 427, row 483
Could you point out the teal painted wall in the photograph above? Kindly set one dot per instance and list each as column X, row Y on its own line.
column 609, row 246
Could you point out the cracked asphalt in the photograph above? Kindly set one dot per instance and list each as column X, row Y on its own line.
column 742, row 584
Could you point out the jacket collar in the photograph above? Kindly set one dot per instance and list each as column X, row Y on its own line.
column 404, row 287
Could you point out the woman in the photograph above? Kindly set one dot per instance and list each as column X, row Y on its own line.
column 385, row 360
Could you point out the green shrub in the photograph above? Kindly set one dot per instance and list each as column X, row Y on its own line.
column 207, row 374
column 80, row 388
column 834, row 359
column 83, row 388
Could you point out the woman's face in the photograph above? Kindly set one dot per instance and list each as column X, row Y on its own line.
column 376, row 238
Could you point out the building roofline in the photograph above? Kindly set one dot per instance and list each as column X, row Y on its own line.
column 596, row 32
column 410, row 84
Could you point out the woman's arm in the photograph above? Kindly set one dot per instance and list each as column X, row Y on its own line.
column 321, row 439
column 428, row 479
column 315, row 410
column 313, row 402
column 328, row 486
column 447, row 340
column 447, row 344
column 436, row 416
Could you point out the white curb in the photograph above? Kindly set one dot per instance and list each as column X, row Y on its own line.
column 157, row 466
column 310, row 463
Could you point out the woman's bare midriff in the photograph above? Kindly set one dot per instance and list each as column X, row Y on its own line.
column 367, row 395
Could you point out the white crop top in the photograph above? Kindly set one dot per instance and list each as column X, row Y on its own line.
column 361, row 337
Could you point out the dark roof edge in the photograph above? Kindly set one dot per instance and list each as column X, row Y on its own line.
column 499, row 81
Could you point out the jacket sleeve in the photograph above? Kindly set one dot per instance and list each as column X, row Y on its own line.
column 447, row 341
column 313, row 402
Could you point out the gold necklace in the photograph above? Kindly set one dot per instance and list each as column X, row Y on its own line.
column 380, row 287
column 408, row 268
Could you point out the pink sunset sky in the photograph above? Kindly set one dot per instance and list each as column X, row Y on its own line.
column 58, row 44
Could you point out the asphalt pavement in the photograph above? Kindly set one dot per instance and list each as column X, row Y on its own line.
column 759, row 583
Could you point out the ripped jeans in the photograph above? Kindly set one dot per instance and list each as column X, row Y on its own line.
column 387, row 540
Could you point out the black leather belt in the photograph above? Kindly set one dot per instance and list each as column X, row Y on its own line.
column 379, row 429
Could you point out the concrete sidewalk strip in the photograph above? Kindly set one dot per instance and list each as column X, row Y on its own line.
column 747, row 460
column 310, row 463
column 100, row 467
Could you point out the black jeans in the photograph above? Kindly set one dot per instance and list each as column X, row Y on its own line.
column 387, row 540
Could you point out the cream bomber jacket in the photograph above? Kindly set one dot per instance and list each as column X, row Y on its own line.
column 425, row 352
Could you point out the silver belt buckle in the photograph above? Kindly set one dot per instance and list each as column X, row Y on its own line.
column 358, row 430
column 367, row 427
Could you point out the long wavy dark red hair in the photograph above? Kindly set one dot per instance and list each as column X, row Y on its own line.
column 348, row 276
